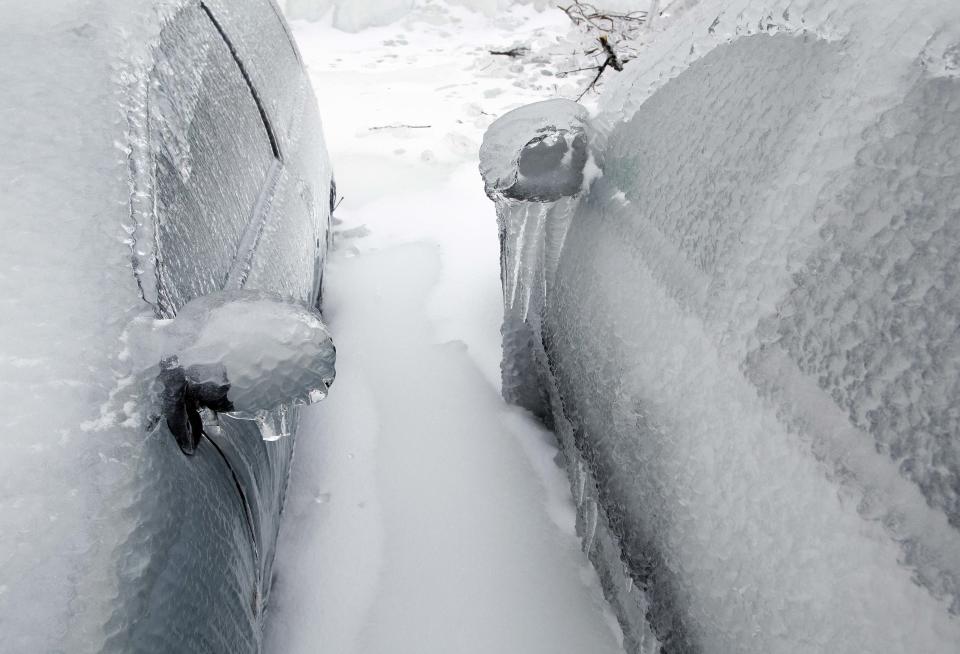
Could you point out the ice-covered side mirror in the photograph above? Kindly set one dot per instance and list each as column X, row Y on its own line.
column 242, row 353
column 536, row 153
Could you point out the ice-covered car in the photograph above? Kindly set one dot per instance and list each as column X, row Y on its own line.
column 165, row 210
column 737, row 300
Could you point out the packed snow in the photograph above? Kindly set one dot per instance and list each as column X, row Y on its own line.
column 424, row 514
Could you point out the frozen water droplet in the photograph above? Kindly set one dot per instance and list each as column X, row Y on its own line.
column 265, row 423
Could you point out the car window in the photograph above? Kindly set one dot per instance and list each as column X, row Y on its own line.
column 270, row 58
column 212, row 152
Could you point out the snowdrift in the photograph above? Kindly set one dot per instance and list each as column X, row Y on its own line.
column 745, row 331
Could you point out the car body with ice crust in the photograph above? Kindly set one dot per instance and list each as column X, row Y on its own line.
column 155, row 152
column 745, row 329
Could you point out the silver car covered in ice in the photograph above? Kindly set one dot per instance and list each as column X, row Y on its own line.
column 154, row 152
column 734, row 292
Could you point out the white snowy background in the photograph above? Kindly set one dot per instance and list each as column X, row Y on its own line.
column 424, row 514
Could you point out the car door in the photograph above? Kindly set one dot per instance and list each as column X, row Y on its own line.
column 205, row 542
column 214, row 157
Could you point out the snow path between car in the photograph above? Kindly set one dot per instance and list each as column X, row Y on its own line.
column 424, row 515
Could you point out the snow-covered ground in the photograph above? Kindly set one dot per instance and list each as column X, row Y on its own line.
column 424, row 515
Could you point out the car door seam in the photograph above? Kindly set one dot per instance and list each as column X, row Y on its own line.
column 247, row 509
column 267, row 125
column 240, row 269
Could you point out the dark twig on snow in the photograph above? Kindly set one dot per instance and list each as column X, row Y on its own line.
column 564, row 73
column 614, row 28
column 373, row 129
column 612, row 58
column 513, row 53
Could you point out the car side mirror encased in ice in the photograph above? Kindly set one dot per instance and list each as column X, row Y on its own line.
column 537, row 153
column 241, row 353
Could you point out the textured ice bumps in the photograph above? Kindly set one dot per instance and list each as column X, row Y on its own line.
column 537, row 152
column 275, row 351
column 746, row 331
column 534, row 162
column 246, row 353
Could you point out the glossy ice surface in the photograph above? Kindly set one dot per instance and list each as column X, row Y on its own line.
column 536, row 152
column 273, row 351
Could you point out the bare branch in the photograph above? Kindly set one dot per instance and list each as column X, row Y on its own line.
column 564, row 73
column 517, row 51
column 613, row 30
column 583, row 13
column 373, row 129
column 612, row 58
column 612, row 61
column 593, row 83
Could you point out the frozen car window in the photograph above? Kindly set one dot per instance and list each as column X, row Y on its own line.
column 290, row 242
column 274, row 69
column 212, row 153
